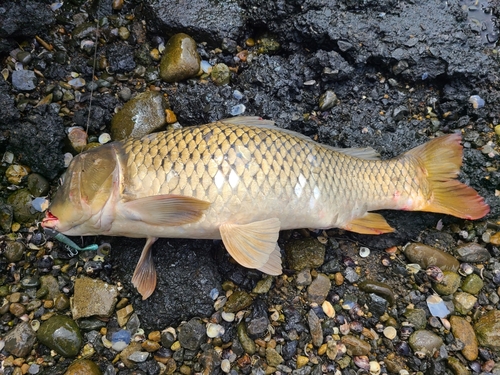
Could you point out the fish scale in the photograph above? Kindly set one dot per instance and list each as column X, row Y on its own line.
column 243, row 180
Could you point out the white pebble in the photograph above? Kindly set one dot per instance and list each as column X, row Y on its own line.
column 328, row 309
column 476, row 101
column 119, row 346
column 364, row 252
column 104, row 138
column 374, row 368
column 214, row 330
column 238, row 109
column 67, row 159
column 8, row 157
column 205, row 66
column 225, row 365
column 437, row 307
column 228, row 317
column 390, row 332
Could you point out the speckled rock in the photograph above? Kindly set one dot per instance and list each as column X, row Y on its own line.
column 60, row 333
column 220, row 74
column 14, row 251
column 457, row 367
column 472, row 284
column 143, row 114
column 273, row 358
column 192, row 334
column 427, row 256
column 93, row 297
column 315, row 328
column 463, row 302
column 449, row 284
column 425, row 341
column 305, row 253
column 50, row 283
column 462, row 330
column 416, row 317
column 487, row 330
column 38, row 185
column 83, row 367
column 237, row 301
column 356, row 346
column 180, row 59
column 473, row 252
column 20, row 200
column 20, row 340
column 319, row 288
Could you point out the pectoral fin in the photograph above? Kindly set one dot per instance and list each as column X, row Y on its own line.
column 144, row 278
column 169, row 209
column 371, row 223
column 254, row 245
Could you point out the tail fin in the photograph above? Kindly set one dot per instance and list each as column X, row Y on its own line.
column 442, row 158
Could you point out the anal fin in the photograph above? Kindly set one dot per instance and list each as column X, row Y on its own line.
column 254, row 245
column 370, row 223
column 144, row 278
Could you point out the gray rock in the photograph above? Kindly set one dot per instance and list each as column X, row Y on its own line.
column 473, row 252
column 315, row 328
column 259, row 322
column 24, row 80
column 319, row 288
column 93, row 297
column 425, row 341
column 20, row 340
column 50, row 283
column 192, row 334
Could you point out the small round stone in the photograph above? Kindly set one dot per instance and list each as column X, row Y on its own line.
column 390, row 332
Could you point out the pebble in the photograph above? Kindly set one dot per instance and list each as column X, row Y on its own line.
column 302, row 361
column 304, row 277
column 328, row 309
column 93, row 297
column 425, row 341
column 427, row 256
column 50, row 283
column 351, row 275
column 472, row 284
column 14, row 251
column 104, row 138
column 61, row 333
column 83, row 367
column 77, row 138
column 143, row 114
column 390, row 332
column 237, row 301
column 315, row 328
column 122, row 315
column 487, row 330
column 225, row 366
column 457, row 367
column 180, row 59
column 20, row 340
column 379, row 288
column 328, row 100
column 464, row 302
column 138, row 356
column 273, row 358
column 246, row 342
column 463, row 331
column 15, row 173
column 449, row 284
column 319, row 288
column 304, row 253
column 473, row 252
column 237, row 110
column 476, row 101
column 133, row 347
column 24, row 80
column 38, row 185
column 20, row 201
column 263, row 286
column 356, row 346
column 192, row 334
column 214, row 330
column 221, row 75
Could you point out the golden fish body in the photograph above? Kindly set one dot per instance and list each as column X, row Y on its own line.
column 243, row 180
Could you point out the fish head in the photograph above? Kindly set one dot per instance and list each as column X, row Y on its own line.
column 79, row 205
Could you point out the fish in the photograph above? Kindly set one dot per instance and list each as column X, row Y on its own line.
column 242, row 180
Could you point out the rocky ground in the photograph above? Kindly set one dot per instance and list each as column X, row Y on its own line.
column 384, row 74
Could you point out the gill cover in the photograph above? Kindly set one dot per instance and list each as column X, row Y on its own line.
column 87, row 186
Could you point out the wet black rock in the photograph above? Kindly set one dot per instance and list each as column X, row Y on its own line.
column 259, row 321
column 121, row 58
column 186, row 273
column 24, row 18
column 38, row 141
column 209, row 21
column 20, row 340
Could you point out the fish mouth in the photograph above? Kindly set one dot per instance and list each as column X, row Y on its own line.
column 49, row 221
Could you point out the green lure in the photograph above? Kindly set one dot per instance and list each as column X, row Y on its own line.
column 72, row 247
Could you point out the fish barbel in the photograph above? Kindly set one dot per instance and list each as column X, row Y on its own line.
column 243, row 180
